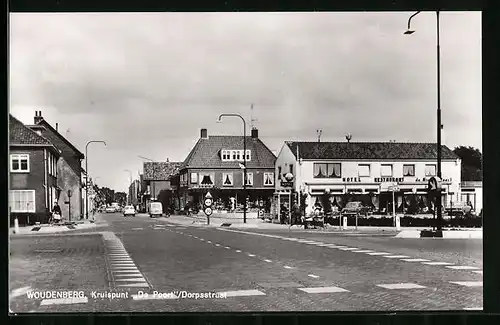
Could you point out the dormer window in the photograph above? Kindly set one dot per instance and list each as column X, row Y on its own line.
column 235, row 155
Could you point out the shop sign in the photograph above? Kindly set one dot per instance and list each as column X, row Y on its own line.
column 389, row 179
column 287, row 184
column 351, row 180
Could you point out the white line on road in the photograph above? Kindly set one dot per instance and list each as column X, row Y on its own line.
column 251, row 255
column 401, row 286
column 268, row 261
column 19, row 292
column 437, row 263
column 396, row 256
column 468, row 283
column 65, row 301
column 349, row 249
column 378, row 253
column 202, row 239
column 227, row 247
column 243, row 293
column 217, row 245
column 363, row 251
column 137, row 229
column 313, row 276
column 209, row 242
column 288, row 267
column 323, row 290
column 414, row 260
column 136, row 274
column 135, row 285
column 463, row 267
column 136, row 279
column 238, row 251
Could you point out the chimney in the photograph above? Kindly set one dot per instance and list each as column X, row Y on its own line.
column 255, row 133
column 204, row 134
column 38, row 116
column 57, row 127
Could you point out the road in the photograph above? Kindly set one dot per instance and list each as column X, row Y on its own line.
column 259, row 270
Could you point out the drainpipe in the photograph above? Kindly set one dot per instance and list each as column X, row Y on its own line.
column 45, row 178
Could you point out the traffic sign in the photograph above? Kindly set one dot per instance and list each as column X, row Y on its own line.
column 434, row 184
column 208, row 202
column 208, row 196
column 208, row 211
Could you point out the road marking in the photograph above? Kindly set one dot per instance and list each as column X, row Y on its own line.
column 401, row 286
column 137, row 279
column 65, row 301
column 437, row 263
column 473, row 308
column 135, row 273
column 288, row 267
column 323, row 290
column 322, row 245
column 364, row 251
column 125, row 268
column 345, row 247
column 251, row 255
column 122, row 264
column 209, row 242
column 348, row 249
column 217, row 245
column 135, row 285
column 396, row 256
column 238, row 251
column 378, row 253
column 313, row 276
column 268, row 261
column 19, row 292
column 137, row 228
column 414, row 260
column 468, row 283
column 478, row 272
column 244, row 293
column 463, row 267
column 202, row 239
column 332, row 246
column 227, row 247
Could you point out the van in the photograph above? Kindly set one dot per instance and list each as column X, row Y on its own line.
column 155, row 209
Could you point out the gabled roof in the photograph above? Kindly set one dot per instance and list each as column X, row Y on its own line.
column 368, row 150
column 21, row 135
column 159, row 170
column 207, row 153
column 47, row 125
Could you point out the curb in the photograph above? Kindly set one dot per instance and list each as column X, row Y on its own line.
column 447, row 234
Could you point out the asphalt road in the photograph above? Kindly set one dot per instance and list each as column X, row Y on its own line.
column 262, row 270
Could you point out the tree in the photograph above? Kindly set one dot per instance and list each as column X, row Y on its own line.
column 472, row 163
column 121, row 198
column 108, row 195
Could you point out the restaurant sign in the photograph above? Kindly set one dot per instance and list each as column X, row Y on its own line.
column 390, row 179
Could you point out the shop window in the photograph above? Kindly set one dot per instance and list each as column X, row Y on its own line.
column 22, row 200
column 19, row 163
column 279, row 172
column 227, row 179
column 249, row 178
column 408, row 170
column 430, row 170
column 268, row 179
column 386, row 170
column 363, row 170
column 324, row 170
column 194, row 178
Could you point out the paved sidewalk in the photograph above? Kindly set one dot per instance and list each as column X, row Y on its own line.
column 66, row 227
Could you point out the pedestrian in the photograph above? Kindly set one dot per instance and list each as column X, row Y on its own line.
column 296, row 213
column 56, row 213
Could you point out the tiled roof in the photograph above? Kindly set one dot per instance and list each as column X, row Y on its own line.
column 21, row 134
column 207, row 153
column 46, row 124
column 369, row 150
column 159, row 170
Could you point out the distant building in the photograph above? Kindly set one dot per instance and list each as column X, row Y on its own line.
column 69, row 168
column 215, row 163
column 355, row 171
column 157, row 180
column 33, row 174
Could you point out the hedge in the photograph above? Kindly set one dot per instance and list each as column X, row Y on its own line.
column 472, row 222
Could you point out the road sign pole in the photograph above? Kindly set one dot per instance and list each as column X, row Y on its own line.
column 393, row 208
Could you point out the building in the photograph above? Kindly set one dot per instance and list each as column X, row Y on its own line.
column 33, row 175
column 133, row 192
column 157, row 182
column 472, row 192
column 215, row 164
column 349, row 171
column 69, row 168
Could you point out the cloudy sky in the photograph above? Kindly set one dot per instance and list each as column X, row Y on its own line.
column 147, row 83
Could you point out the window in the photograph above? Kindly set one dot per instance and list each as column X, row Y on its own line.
column 364, row 170
column 324, row 170
column 19, row 163
column 226, row 155
column 291, row 169
column 238, row 154
column 227, row 179
column 268, row 179
column 194, row 178
column 248, row 155
column 206, row 179
column 235, row 155
column 22, row 200
column 408, row 170
column 279, row 172
column 386, row 170
column 430, row 170
column 249, row 178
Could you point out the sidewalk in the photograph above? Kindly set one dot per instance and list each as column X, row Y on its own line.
column 65, row 227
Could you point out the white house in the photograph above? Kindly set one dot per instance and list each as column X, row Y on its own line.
column 363, row 171
column 472, row 192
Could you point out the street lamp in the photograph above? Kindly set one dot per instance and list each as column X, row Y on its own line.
column 439, row 125
column 154, row 175
column 130, row 174
column 244, row 162
column 87, row 178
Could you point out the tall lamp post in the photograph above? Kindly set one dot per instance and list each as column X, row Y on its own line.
column 244, row 162
column 439, row 125
column 129, row 188
column 87, row 178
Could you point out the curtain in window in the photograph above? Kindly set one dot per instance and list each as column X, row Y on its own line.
column 408, row 170
column 207, row 180
column 320, row 170
column 249, row 178
column 227, row 179
column 335, row 170
column 430, row 170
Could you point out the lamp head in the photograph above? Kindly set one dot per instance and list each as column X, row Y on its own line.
column 409, row 32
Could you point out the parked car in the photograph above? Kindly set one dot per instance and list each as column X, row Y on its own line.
column 356, row 208
column 110, row 210
column 155, row 209
column 458, row 209
column 129, row 210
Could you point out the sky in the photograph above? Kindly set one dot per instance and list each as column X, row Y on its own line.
column 146, row 83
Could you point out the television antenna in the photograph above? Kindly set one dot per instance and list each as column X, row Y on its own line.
column 348, row 137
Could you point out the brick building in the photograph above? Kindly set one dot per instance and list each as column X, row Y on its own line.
column 69, row 168
column 33, row 174
column 157, row 180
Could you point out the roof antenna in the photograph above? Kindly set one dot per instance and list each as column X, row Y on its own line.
column 252, row 126
column 348, row 137
column 318, row 132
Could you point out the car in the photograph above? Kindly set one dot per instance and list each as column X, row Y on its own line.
column 458, row 209
column 129, row 210
column 355, row 208
column 110, row 210
column 155, row 209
